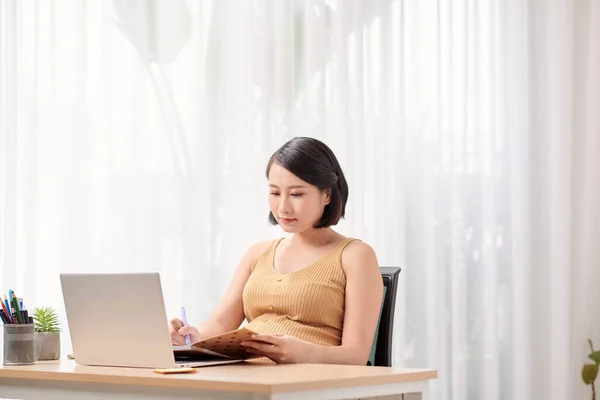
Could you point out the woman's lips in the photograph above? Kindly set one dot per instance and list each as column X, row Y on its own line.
column 287, row 221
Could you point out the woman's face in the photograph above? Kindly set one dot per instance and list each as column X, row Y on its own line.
column 296, row 205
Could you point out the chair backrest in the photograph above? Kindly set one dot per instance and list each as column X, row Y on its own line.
column 381, row 354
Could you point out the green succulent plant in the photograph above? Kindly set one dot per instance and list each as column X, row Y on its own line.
column 45, row 319
column 590, row 371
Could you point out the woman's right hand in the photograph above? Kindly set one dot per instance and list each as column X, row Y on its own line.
column 178, row 332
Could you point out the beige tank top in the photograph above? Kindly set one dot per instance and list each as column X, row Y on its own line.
column 307, row 304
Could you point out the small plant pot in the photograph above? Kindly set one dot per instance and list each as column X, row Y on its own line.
column 47, row 345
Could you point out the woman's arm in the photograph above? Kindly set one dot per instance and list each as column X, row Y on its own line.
column 364, row 291
column 229, row 314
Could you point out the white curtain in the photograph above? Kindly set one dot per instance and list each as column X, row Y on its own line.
column 134, row 136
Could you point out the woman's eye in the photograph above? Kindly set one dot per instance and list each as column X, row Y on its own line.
column 274, row 194
column 297, row 194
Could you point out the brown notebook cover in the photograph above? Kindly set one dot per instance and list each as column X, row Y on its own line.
column 225, row 345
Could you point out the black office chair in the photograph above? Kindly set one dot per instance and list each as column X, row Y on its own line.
column 381, row 354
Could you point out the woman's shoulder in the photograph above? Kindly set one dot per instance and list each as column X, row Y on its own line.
column 259, row 248
column 357, row 253
column 352, row 243
column 255, row 252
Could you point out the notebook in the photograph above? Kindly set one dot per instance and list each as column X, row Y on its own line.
column 227, row 345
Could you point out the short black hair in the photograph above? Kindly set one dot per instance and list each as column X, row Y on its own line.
column 313, row 161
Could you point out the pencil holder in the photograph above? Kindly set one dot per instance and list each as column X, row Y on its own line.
column 19, row 344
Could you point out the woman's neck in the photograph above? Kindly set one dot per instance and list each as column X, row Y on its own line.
column 313, row 238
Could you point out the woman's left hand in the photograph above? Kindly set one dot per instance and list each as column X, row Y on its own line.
column 282, row 349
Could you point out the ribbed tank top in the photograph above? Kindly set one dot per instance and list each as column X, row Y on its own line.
column 308, row 303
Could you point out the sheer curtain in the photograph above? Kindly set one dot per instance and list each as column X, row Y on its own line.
column 134, row 136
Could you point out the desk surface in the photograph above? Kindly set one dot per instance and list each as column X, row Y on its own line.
column 238, row 377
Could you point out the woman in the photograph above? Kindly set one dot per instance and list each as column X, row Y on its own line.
column 315, row 296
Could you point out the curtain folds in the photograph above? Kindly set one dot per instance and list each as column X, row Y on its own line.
column 134, row 137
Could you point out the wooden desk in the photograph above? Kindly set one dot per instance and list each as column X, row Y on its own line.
column 66, row 380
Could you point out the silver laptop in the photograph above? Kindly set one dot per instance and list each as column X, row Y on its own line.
column 120, row 320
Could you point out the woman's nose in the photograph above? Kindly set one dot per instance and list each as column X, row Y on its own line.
column 284, row 206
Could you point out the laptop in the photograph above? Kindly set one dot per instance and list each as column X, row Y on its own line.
column 119, row 320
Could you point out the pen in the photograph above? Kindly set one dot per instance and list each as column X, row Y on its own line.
column 17, row 311
column 3, row 316
column 10, row 293
column 6, row 311
column 7, row 305
column 183, row 317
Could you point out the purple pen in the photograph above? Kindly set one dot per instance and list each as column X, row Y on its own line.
column 184, row 319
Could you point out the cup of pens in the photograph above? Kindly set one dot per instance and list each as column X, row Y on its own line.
column 19, row 333
column 19, row 344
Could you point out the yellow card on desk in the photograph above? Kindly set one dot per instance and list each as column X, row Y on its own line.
column 175, row 370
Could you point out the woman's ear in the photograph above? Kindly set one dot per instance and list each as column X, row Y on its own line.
column 327, row 196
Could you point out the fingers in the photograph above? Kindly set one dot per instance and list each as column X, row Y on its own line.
column 273, row 338
column 187, row 330
column 260, row 347
column 176, row 323
column 174, row 327
column 178, row 341
column 254, row 351
column 264, row 343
